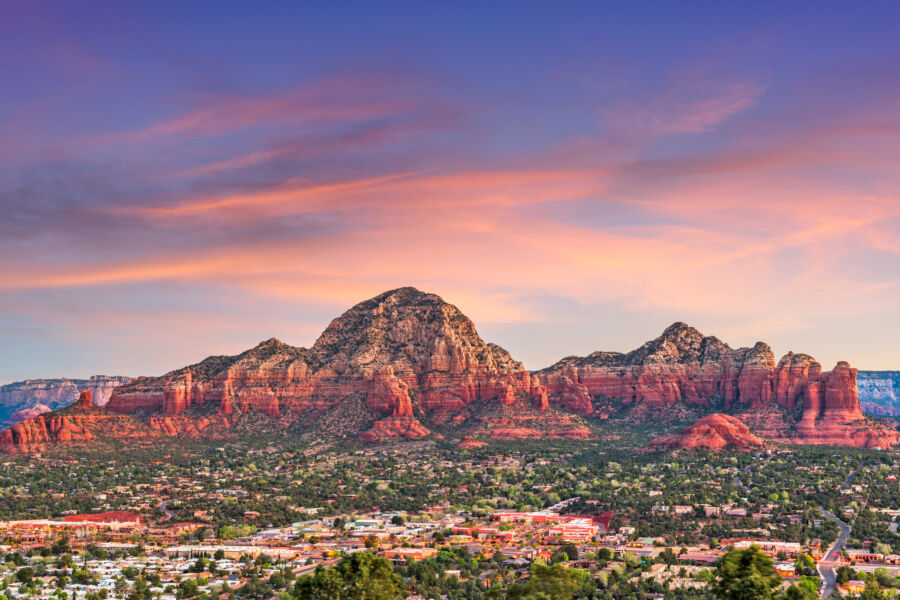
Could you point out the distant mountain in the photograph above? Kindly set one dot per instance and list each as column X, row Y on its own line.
column 879, row 392
column 25, row 399
column 406, row 364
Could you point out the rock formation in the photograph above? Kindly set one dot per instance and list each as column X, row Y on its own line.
column 715, row 432
column 26, row 399
column 683, row 368
column 408, row 354
column 80, row 423
column 406, row 364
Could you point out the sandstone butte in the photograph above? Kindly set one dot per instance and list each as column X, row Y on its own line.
column 715, row 432
column 406, row 364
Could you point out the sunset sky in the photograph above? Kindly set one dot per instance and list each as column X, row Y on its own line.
column 185, row 179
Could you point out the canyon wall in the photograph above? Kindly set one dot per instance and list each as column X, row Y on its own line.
column 879, row 392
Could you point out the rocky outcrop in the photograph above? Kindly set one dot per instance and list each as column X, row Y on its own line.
column 80, row 423
column 27, row 399
column 679, row 367
column 714, row 432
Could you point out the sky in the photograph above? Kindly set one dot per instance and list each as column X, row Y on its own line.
column 185, row 179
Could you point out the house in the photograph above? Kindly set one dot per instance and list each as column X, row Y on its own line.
column 580, row 530
column 785, row 569
column 854, row 586
column 767, row 546
column 401, row 555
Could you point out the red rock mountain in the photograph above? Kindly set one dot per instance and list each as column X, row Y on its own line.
column 406, row 364
column 403, row 356
column 791, row 400
column 80, row 423
column 715, row 431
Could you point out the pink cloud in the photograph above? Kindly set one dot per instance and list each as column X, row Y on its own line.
column 339, row 99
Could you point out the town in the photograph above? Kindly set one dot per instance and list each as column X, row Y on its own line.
column 251, row 522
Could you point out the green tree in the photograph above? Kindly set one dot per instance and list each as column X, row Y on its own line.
column 873, row 591
column 745, row 575
column 360, row 576
column 883, row 577
column 799, row 592
column 548, row 582
column 188, row 589
column 60, row 546
column 845, row 574
column 25, row 574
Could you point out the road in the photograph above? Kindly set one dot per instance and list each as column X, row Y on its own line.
column 831, row 560
column 169, row 513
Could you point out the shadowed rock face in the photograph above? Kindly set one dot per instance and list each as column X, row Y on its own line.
column 715, row 431
column 405, row 363
column 879, row 392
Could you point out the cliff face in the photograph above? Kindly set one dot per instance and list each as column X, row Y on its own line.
column 26, row 399
column 80, row 423
column 684, row 368
column 715, row 432
column 879, row 392
column 407, row 354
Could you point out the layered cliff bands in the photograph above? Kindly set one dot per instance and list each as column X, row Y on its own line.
column 26, row 399
column 684, row 368
column 879, row 392
column 82, row 422
column 406, row 364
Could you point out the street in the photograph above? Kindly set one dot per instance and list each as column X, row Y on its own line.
column 830, row 561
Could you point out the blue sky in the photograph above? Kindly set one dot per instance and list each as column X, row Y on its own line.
column 178, row 180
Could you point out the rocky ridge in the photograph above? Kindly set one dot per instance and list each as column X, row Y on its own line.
column 685, row 369
column 82, row 422
column 406, row 364
column 408, row 354
column 26, row 399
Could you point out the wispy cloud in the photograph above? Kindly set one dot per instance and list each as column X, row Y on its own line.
column 684, row 110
